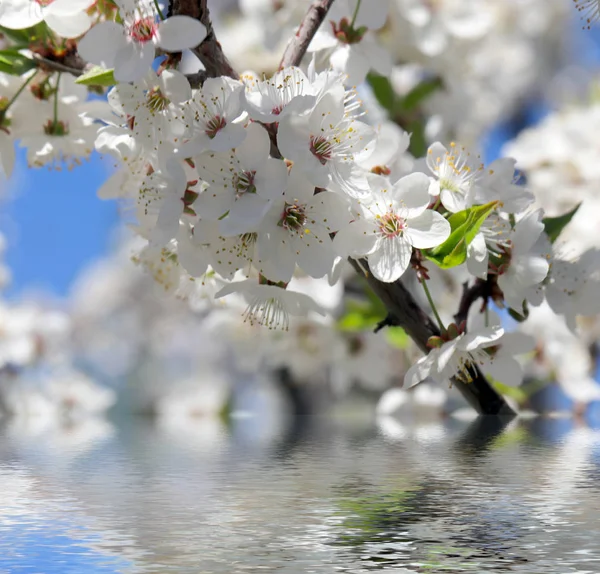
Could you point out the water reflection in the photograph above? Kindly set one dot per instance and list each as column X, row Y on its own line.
column 318, row 495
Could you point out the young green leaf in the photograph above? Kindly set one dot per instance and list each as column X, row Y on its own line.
column 14, row 63
column 382, row 88
column 97, row 76
column 419, row 93
column 553, row 226
column 465, row 226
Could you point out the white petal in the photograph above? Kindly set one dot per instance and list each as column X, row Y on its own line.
column 507, row 370
column 355, row 240
column 179, row 33
column 314, row 252
column 485, row 337
column 391, row 260
column 70, row 26
column 445, row 354
column 102, row 43
column 271, row 179
column 299, row 189
column 436, row 154
column 453, row 201
column 516, row 343
column 245, row 215
column 477, row 257
column 330, row 210
column 133, row 61
column 254, row 151
column 419, row 371
column 17, row 14
column 412, row 193
column 229, row 137
column 177, row 87
column 529, row 269
column 427, row 230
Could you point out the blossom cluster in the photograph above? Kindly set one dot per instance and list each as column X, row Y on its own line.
column 249, row 182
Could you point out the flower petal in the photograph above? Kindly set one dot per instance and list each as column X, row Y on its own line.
column 102, row 43
column 179, row 33
column 412, row 194
column 391, row 260
column 427, row 230
column 254, row 150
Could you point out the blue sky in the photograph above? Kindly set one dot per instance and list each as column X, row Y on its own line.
column 54, row 224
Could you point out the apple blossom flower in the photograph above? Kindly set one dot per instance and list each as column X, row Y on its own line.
column 270, row 305
column 296, row 230
column 217, row 110
column 456, row 172
column 456, row 357
column 240, row 183
column 68, row 18
column 393, row 220
column 523, row 265
column 572, row 286
column 130, row 47
column 326, row 144
column 153, row 107
column 288, row 91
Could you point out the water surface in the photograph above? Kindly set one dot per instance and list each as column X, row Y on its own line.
column 318, row 495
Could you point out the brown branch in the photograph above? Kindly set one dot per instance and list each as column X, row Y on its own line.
column 486, row 289
column 209, row 51
column 73, row 65
column 298, row 44
column 404, row 311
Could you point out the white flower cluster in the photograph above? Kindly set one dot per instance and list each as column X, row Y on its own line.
column 253, row 181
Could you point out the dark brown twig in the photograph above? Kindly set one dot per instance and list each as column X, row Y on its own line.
column 75, row 65
column 209, row 51
column 298, row 44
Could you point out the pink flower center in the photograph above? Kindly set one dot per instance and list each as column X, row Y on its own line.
column 277, row 110
column 321, row 148
column 214, row 125
column 293, row 217
column 143, row 30
column 391, row 225
column 44, row 3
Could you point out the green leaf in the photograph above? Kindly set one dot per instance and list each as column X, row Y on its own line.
column 14, row 63
column 97, row 76
column 465, row 225
column 19, row 37
column 420, row 93
column 418, row 141
column 520, row 316
column 382, row 88
column 397, row 337
column 553, row 226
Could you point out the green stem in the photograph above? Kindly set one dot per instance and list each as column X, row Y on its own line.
column 432, row 305
column 355, row 13
column 160, row 14
column 56, row 101
column 14, row 98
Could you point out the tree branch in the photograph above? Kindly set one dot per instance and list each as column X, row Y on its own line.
column 73, row 65
column 298, row 44
column 403, row 310
column 209, row 51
